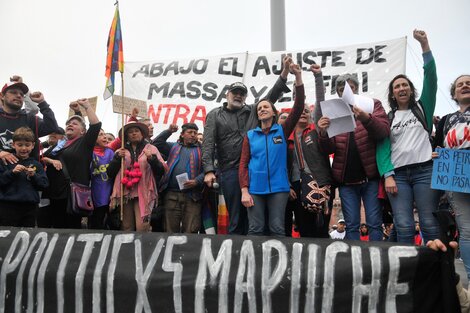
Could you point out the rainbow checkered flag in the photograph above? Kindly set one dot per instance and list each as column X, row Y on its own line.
column 115, row 56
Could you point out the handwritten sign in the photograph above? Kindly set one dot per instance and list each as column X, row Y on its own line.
column 129, row 105
column 451, row 170
column 93, row 102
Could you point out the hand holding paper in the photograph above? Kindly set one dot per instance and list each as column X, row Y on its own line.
column 366, row 104
column 360, row 115
column 182, row 179
column 340, row 115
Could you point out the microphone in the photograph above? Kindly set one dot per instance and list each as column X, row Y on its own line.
column 215, row 185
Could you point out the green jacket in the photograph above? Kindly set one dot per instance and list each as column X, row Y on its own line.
column 428, row 99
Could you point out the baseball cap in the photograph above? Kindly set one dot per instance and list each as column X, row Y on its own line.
column 18, row 85
column 341, row 221
column 239, row 86
column 79, row 118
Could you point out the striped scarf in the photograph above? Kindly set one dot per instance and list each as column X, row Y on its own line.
column 193, row 169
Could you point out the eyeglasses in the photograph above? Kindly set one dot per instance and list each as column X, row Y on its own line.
column 306, row 110
column 283, row 117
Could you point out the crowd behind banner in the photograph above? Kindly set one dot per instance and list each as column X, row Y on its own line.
column 252, row 170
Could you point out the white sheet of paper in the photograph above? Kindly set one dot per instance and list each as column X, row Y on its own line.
column 348, row 95
column 181, row 179
column 340, row 115
column 364, row 103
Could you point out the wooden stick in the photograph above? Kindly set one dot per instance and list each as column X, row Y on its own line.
column 123, row 160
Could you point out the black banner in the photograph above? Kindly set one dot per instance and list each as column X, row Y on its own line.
column 83, row 271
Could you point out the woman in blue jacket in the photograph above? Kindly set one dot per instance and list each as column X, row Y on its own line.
column 263, row 173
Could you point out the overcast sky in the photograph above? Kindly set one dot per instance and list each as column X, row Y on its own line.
column 59, row 46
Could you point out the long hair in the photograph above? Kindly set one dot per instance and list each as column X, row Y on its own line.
column 391, row 99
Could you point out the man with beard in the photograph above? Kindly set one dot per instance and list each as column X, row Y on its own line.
column 225, row 128
column 12, row 117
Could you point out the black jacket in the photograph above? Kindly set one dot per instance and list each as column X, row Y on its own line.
column 226, row 129
column 317, row 162
column 76, row 158
column 18, row 187
column 11, row 122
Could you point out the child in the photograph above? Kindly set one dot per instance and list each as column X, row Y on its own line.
column 101, row 185
column 20, row 182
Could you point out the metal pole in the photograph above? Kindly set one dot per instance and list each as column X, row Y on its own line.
column 278, row 25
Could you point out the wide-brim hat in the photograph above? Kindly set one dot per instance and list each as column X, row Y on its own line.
column 143, row 128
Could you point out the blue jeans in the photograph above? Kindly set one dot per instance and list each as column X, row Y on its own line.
column 275, row 205
column 460, row 203
column 238, row 221
column 414, row 184
column 351, row 196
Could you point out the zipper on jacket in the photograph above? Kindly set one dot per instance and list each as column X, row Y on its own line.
column 267, row 161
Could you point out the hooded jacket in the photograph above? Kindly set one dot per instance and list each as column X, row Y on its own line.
column 40, row 127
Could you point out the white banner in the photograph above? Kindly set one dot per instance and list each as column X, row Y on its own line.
column 185, row 90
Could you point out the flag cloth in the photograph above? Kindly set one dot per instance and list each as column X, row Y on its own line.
column 222, row 217
column 115, row 56
column 209, row 210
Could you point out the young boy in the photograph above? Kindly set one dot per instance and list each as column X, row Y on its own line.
column 20, row 182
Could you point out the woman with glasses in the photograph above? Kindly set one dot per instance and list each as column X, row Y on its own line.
column 304, row 149
column 69, row 161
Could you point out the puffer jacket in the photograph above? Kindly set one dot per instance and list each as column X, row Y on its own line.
column 366, row 136
column 227, row 128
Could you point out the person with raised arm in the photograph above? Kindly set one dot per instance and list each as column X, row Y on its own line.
column 263, row 177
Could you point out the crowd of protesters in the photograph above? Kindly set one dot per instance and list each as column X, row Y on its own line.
column 252, row 154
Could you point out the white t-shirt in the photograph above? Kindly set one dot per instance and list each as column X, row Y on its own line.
column 337, row 235
column 409, row 140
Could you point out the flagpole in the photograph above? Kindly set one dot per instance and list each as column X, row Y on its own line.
column 122, row 143
column 114, row 63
